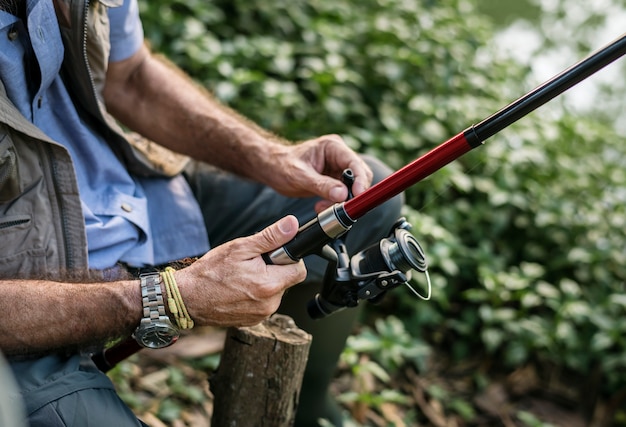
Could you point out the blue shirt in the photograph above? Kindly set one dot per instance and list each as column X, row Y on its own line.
column 140, row 221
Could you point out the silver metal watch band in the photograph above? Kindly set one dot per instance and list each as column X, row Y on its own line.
column 152, row 297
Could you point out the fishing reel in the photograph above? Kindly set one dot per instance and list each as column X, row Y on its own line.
column 369, row 274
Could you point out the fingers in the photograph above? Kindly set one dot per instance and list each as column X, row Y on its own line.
column 275, row 235
column 339, row 157
column 363, row 177
column 231, row 284
column 345, row 158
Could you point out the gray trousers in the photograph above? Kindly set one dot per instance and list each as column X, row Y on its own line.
column 70, row 391
column 255, row 207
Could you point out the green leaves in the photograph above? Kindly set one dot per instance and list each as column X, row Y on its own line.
column 524, row 237
column 390, row 344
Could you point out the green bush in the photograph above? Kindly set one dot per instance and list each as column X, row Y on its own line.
column 524, row 236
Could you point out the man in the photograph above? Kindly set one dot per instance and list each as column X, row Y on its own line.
column 83, row 203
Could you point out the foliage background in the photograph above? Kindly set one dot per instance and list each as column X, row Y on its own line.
column 524, row 236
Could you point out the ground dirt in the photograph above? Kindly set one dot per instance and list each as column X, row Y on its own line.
column 169, row 387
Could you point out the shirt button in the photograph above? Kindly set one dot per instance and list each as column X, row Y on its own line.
column 126, row 207
column 12, row 34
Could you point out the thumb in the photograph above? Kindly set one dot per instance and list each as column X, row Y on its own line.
column 327, row 187
column 334, row 190
column 275, row 235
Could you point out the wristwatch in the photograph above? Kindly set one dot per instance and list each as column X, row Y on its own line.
column 155, row 329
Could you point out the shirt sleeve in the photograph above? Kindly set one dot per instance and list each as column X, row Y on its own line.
column 126, row 30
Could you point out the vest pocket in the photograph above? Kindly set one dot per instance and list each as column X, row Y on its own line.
column 9, row 176
column 26, row 264
column 15, row 259
column 8, row 223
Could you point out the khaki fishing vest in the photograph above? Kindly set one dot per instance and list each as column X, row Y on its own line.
column 42, row 229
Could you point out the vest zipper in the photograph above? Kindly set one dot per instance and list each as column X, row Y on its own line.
column 86, row 56
column 54, row 170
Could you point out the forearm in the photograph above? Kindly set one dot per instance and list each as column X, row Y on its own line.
column 158, row 101
column 38, row 316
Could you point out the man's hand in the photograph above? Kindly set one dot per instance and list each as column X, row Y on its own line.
column 314, row 168
column 232, row 286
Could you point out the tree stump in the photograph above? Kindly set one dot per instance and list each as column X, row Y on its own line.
column 260, row 374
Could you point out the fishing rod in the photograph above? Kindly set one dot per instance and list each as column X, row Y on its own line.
column 339, row 218
column 369, row 274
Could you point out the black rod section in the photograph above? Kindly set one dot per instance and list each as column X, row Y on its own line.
column 550, row 89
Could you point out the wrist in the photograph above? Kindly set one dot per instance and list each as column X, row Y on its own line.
column 175, row 303
column 155, row 330
column 267, row 166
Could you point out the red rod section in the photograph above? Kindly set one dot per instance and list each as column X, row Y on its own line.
column 410, row 174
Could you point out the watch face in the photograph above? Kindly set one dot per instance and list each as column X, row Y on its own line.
column 157, row 335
